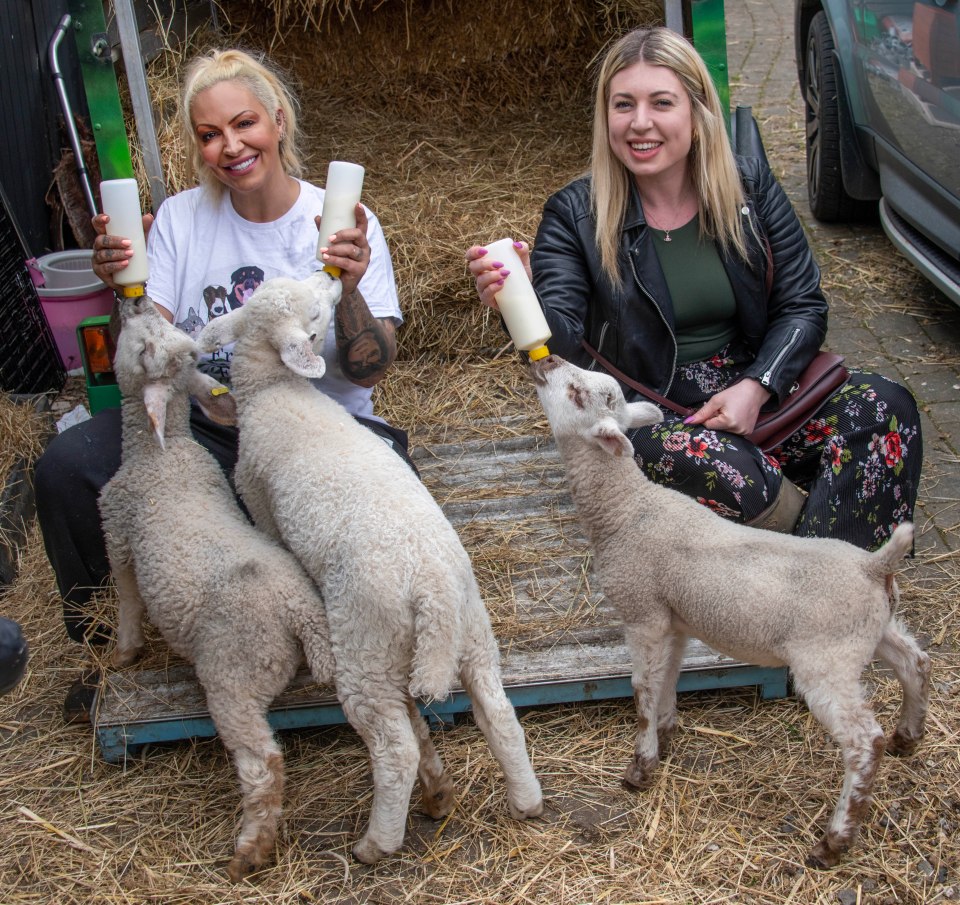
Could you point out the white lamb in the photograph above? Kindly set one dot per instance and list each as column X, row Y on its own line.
column 672, row 568
column 406, row 616
column 225, row 596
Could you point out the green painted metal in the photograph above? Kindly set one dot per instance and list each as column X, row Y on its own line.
column 100, row 87
column 102, row 389
column 710, row 39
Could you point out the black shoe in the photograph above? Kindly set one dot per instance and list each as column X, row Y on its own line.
column 81, row 698
column 14, row 653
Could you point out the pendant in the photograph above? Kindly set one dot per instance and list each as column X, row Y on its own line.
column 666, row 236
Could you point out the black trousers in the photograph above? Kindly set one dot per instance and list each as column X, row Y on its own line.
column 68, row 479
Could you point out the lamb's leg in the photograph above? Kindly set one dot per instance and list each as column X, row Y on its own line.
column 242, row 726
column 667, row 706
column 378, row 712
column 315, row 638
column 494, row 714
column 899, row 650
column 837, row 702
column 130, row 614
column 652, row 656
column 257, row 502
column 435, row 786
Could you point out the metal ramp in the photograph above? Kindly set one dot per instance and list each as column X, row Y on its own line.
column 559, row 640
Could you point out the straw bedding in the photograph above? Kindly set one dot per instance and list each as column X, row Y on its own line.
column 466, row 118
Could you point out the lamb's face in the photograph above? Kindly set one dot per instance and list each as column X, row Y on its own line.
column 316, row 300
column 150, row 350
column 581, row 403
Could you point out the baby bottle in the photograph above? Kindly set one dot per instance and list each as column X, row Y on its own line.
column 121, row 203
column 340, row 198
column 518, row 303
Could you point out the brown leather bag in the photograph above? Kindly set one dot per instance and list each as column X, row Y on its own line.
column 822, row 377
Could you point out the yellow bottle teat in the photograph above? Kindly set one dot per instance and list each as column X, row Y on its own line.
column 132, row 292
column 538, row 353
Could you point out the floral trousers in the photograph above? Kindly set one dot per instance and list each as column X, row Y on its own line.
column 858, row 459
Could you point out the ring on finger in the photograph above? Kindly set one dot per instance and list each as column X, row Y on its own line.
column 357, row 252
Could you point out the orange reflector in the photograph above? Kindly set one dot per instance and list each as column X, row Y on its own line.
column 99, row 349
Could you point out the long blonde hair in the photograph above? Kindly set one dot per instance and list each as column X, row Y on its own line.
column 712, row 164
column 262, row 81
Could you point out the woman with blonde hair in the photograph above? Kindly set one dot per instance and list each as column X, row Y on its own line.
column 682, row 268
column 250, row 218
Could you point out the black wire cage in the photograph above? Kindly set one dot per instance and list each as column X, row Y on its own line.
column 29, row 361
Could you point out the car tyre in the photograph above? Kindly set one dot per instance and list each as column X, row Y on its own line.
column 828, row 198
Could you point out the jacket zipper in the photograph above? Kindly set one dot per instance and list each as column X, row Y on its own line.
column 603, row 334
column 643, row 289
column 768, row 374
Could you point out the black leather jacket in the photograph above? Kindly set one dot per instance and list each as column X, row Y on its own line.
column 633, row 325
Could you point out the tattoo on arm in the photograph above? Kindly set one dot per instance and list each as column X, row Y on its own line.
column 366, row 345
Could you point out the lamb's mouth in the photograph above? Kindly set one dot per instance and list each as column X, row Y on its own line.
column 538, row 369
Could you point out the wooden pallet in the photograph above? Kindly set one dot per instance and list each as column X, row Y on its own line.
column 560, row 641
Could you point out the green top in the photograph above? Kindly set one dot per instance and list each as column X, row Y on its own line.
column 704, row 308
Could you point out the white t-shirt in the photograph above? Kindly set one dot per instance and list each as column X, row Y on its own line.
column 205, row 260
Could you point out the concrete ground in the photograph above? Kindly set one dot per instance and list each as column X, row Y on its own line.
column 884, row 315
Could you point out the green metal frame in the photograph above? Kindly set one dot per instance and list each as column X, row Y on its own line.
column 709, row 36
column 100, row 87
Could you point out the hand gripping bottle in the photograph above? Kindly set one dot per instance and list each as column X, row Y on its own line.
column 120, row 199
column 340, row 197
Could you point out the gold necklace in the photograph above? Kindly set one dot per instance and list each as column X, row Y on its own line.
column 656, row 226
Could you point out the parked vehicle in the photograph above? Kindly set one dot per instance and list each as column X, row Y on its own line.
column 881, row 85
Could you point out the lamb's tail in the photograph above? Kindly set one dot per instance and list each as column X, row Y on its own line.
column 887, row 561
column 437, row 640
column 889, row 558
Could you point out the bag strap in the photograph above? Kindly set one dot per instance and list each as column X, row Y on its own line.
column 633, row 384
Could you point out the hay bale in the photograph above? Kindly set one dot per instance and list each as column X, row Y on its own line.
column 465, row 121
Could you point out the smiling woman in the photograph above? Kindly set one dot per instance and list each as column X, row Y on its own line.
column 250, row 218
column 686, row 269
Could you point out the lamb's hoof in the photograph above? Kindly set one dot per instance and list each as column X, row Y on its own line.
column 823, row 856
column 122, row 658
column 525, row 813
column 639, row 774
column 439, row 802
column 902, row 745
column 242, row 866
column 368, row 852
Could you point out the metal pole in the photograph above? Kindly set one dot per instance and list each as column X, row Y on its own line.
column 673, row 15
column 140, row 98
column 58, row 80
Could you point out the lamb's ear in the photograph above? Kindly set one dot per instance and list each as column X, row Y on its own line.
column 610, row 438
column 155, row 397
column 214, row 398
column 640, row 414
column 296, row 352
column 222, row 330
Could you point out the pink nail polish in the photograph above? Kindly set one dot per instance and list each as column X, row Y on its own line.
column 496, row 265
column 518, row 245
column 504, row 273
column 688, row 419
column 481, row 252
